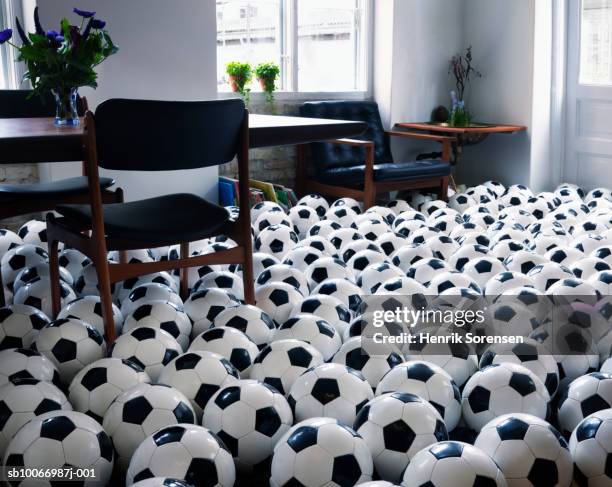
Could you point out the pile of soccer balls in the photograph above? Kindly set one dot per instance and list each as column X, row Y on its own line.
column 212, row 391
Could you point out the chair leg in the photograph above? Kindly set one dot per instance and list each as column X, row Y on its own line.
column 184, row 272
column 248, row 278
column 300, row 173
column 443, row 190
column 106, row 297
column 369, row 194
column 2, row 298
column 54, row 276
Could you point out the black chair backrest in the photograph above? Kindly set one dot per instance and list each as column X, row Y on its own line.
column 22, row 104
column 331, row 155
column 146, row 135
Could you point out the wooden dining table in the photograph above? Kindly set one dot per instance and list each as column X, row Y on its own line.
column 31, row 140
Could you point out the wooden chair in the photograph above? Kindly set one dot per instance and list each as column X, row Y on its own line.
column 361, row 168
column 141, row 135
column 21, row 199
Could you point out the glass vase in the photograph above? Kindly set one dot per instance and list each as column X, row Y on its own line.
column 66, row 114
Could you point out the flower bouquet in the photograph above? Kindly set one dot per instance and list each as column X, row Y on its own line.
column 62, row 61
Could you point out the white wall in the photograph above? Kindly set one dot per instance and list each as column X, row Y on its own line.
column 167, row 51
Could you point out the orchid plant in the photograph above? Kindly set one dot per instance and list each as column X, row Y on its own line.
column 463, row 71
column 61, row 61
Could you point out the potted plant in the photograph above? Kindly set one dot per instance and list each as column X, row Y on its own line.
column 463, row 71
column 240, row 75
column 62, row 61
column 267, row 74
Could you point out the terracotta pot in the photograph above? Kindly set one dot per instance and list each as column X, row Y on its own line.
column 233, row 84
column 262, row 83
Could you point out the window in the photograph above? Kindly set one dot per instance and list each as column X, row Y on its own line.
column 320, row 45
column 596, row 42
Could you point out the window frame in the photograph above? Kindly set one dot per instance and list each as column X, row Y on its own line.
column 11, row 71
column 289, row 68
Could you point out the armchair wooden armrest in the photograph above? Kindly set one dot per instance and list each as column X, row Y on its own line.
column 352, row 142
column 445, row 140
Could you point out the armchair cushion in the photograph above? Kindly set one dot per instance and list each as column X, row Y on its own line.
column 326, row 155
column 353, row 176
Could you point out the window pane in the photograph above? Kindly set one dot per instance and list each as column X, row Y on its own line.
column 330, row 45
column 596, row 42
column 247, row 31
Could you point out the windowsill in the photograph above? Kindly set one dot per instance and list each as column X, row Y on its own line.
column 298, row 96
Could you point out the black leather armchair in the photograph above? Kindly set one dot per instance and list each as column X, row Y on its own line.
column 362, row 167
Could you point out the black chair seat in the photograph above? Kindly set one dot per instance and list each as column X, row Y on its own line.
column 53, row 189
column 163, row 220
column 349, row 176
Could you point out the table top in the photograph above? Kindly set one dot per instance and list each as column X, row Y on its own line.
column 27, row 140
column 476, row 128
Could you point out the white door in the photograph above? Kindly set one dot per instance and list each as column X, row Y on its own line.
column 588, row 151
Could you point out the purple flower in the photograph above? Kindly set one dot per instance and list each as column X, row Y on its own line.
column 83, row 13
column 98, row 24
column 52, row 34
column 5, row 35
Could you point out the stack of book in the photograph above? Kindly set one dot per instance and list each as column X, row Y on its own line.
column 259, row 191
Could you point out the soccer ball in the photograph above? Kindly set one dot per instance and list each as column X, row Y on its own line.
column 250, row 320
column 303, row 217
column 149, row 348
column 145, row 293
column 37, row 293
column 300, row 258
column 441, row 246
column 316, row 202
column 139, row 412
column 342, row 237
column 185, row 451
column 86, row 284
column 23, row 363
column 199, row 375
column 584, row 396
column 327, row 307
column 446, row 280
column 276, row 240
column 482, row 269
column 591, row 450
column 97, row 385
column 8, row 240
column 205, row 305
column 313, row 330
column 19, row 325
column 329, row 390
column 270, row 218
column 230, row 343
column 89, row 310
column 277, row 299
column 505, row 281
column 566, row 256
column 30, row 274
column 24, row 399
column 524, row 261
column 343, row 216
column 283, row 361
column 530, row 354
column 221, row 280
column 322, row 244
column 284, row 273
column 372, row 360
column 391, row 242
column 347, row 292
column 18, row 258
column 62, row 439
column 34, row 232
column 395, row 427
column 327, row 268
column 450, row 464
column 362, row 258
column 374, row 275
column 249, row 417
column 263, row 207
column 162, row 315
column 544, row 459
column 500, row 389
column 406, row 256
column 351, row 203
column 71, row 345
column 324, row 229
column 399, row 206
column 341, row 456
column 589, row 266
column 424, row 270
column 428, row 381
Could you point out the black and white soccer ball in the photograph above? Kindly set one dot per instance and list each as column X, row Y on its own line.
column 374, row 275
column 465, row 254
column 18, row 258
column 284, row 273
column 313, row 330
column 23, row 363
column 424, row 270
column 24, row 399
column 343, row 216
column 442, row 246
column 395, row 427
column 227, row 280
column 37, row 293
column 506, row 281
column 429, row 382
column 461, row 202
column 327, row 268
column 341, row 455
column 406, row 256
column 97, row 385
column 149, row 348
column 230, row 343
column 203, row 306
column 591, row 450
column 34, row 232
column 329, row 390
column 163, row 315
column 530, row 354
column 482, row 269
column 249, row 417
column 89, row 310
column 586, row 395
column 588, row 267
column 190, row 453
column 250, row 320
column 524, row 261
column 446, row 280
column 452, row 463
column 70, row 344
column 139, row 412
column 372, row 360
column 545, row 458
column 316, row 202
column 30, row 274
column 8, row 240
column 277, row 299
column 324, row 229
column 263, row 207
column 329, row 308
column 602, row 282
column 269, row 218
column 145, row 293
column 283, row 361
column 351, row 203
column 399, row 206
column 276, row 240
column 19, row 325
column 303, row 217
column 501, row 389
column 199, row 375
column 368, row 254
column 346, row 291
column 63, row 439
column 300, row 258
column 86, row 284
